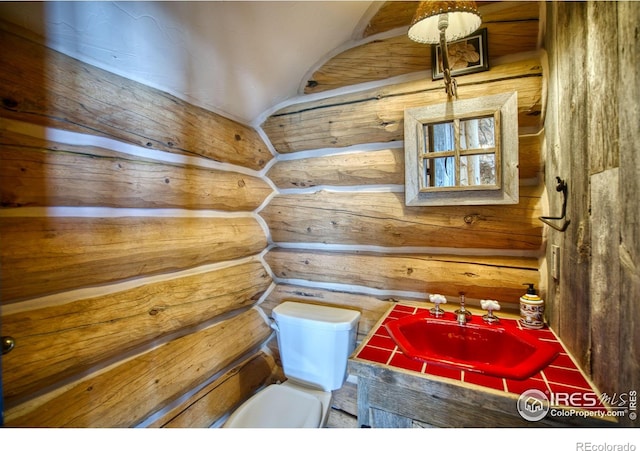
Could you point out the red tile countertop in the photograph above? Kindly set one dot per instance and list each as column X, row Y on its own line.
column 561, row 376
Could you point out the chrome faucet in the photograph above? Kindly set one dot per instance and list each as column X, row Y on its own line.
column 462, row 315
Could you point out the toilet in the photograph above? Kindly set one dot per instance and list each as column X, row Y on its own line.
column 315, row 342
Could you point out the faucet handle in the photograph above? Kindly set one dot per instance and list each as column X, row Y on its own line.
column 462, row 310
column 437, row 299
column 490, row 305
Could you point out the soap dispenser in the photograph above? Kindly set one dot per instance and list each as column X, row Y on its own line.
column 531, row 309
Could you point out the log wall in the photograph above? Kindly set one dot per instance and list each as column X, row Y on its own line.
column 342, row 233
column 592, row 141
column 131, row 251
column 327, row 218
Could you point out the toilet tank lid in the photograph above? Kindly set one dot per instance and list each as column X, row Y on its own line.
column 319, row 316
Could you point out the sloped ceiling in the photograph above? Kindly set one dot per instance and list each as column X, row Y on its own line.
column 237, row 58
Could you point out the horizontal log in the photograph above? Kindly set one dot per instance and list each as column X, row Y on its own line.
column 129, row 392
column 391, row 14
column 382, row 219
column 394, row 14
column 361, row 168
column 370, row 307
column 482, row 277
column 530, row 161
column 399, row 55
column 374, row 60
column 377, row 115
column 527, row 67
column 53, row 254
column 36, row 172
column 58, row 341
column 380, row 167
column 39, row 85
column 223, row 395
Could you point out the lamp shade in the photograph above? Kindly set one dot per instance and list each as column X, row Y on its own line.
column 463, row 18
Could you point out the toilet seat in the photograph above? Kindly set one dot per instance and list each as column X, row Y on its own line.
column 280, row 406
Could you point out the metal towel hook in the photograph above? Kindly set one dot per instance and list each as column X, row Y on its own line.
column 560, row 187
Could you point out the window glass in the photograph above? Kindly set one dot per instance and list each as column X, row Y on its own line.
column 477, row 133
column 443, row 136
column 440, row 172
column 478, row 170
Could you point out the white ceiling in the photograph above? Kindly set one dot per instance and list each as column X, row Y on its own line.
column 237, row 58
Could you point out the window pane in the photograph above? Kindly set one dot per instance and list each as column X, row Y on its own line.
column 478, row 170
column 443, row 136
column 439, row 172
column 477, row 133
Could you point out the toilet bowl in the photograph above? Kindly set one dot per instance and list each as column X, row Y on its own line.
column 285, row 405
column 315, row 343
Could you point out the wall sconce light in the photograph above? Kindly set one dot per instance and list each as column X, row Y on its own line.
column 441, row 22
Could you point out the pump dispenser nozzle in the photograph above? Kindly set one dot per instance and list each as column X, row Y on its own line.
column 531, row 289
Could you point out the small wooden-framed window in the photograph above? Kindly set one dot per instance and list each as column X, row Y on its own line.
column 462, row 152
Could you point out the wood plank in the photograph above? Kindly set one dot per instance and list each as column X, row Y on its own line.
column 382, row 419
column 629, row 126
column 223, row 395
column 379, row 167
column 398, row 55
column 603, row 89
column 364, row 414
column 55, row 342
column 377, row 115
column 53, row 254
column 607, row 317
column 382, row 219
column 42, row 86
column 553, row 155
column 574, row 291
column 129, row 392
column 37, row 172
column 499, row 278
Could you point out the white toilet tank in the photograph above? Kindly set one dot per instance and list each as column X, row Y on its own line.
column 315, row 342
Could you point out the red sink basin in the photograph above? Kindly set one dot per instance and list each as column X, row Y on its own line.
column 489, row 349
